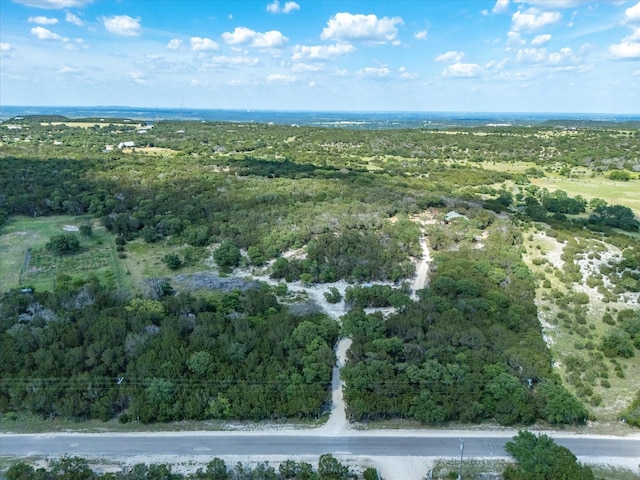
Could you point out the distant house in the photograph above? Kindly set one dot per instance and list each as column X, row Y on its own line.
column 453, row 215
column 126, row 144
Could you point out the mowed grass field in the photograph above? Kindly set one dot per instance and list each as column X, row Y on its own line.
column 611, row 191
column 24, row 259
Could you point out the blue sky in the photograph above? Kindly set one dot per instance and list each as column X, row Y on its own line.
column 418, row 55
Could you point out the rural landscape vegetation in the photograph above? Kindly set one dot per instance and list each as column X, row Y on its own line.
column 191, row 271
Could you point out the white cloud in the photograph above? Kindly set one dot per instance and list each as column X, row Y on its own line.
column 532, row 55
column 71, row 18
column 226, row 61
column 5, row 47
column 462, row 70
column 65, row 70
column 406, row 75
column 42, row 33
column 540, row 56
column 280, row 78
column 555, row 3
column 372, row 72
column 450, row 57
column 288, row 7
column 540, row 40
column 533, row 19
column 632, row 14
column 306, row 67
column 137, row 77
column 321, row 52
column 514, row 40
column 421, row 35
column 174, row 44
column 368, row 28
column 501, row 6
column 43, row 20
column 123, row 25
column 625, row 49
column 199, row 44
column 564, row 57
column 53, row 4
column 246, row 36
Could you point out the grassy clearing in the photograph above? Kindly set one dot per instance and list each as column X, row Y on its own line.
column 613, row 192
column 145, row 260
column 24, row 259
column 569, row 338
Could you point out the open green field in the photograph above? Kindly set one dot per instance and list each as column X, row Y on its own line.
column 613, row 192
column 24, row 259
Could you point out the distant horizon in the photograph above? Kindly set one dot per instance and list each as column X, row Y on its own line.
column 310, row 110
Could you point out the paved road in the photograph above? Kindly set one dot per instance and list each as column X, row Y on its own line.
column 259, row 444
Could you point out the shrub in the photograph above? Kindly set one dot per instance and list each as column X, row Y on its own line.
column 65, row 243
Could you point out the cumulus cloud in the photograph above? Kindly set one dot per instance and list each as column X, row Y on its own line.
column 533, row 19
column 629, row 47
column 225, row 61
column 43, row 20
column 246, row 36
column 421, row 35
column 373, row 72
column 280, row 78
column 540, row 40
column 5, row 47
column 71, row 18
column 540, row 56
column 123, row 25
column 53, row 4
column 174, row 44
column 288, row 7
column 501, row 6
column 321, row 52
column 632, row 14
column 450, row 57
column 369, row 28
column 137, row 77
column 42, row 33
column 307, row 67
column 199, row 44
column 406, row 75
column 532, row 55
column 462, row 70
column 65, row 70
column 514, row 40
column 564, row 57
column 555, row 3
column 626, row 49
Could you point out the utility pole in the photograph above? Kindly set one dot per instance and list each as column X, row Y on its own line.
column 461, row 453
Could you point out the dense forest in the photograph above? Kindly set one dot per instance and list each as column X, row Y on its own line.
column 83, row 352
column 469, row 349
column 315, row 206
